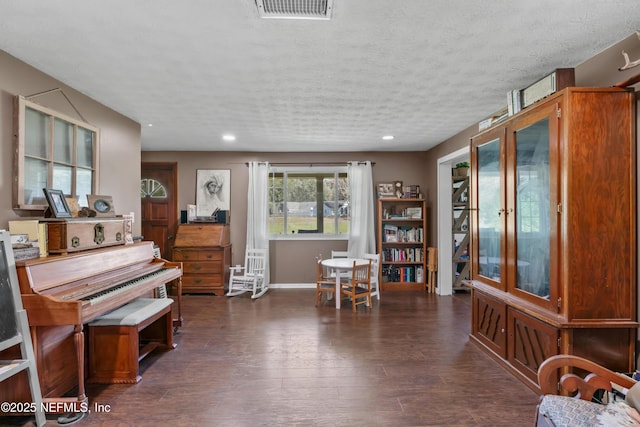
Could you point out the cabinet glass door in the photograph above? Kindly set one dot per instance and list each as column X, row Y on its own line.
column 532, row 211
column 490, row 211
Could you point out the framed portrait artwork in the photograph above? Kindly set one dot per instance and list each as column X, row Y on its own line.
column 213, row 191
column 57, row 203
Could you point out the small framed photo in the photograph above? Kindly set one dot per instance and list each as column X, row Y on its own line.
column 57, row 203
column 103, row 205
column 74, row 207
column 385, row 189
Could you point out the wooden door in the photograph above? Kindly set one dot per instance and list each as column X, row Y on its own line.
column 158, row 192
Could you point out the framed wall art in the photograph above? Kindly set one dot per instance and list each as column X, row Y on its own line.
column 385, row 189
column 58, row 207
column 213, row 191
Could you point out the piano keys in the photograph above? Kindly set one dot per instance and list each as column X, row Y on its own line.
column 62, row 293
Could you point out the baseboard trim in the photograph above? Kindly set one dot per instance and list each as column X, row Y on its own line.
column 292, row 285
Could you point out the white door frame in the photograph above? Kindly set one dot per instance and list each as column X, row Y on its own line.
column 445, row 223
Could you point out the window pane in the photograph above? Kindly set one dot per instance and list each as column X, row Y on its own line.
column 35, row 179
column 302, row 205
column 308, row 203
column 276, row 204
column 344, row 205
column 85, row 147
column 84, row 178
column 62, row 141
column 489, row 218
column 533, row 212
column 37, row 134
column 62, row 176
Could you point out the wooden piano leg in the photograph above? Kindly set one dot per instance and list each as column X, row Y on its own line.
column 177, row 287
column 79, row 341
column 79, row 404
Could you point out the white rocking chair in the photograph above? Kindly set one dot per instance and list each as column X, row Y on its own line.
column 251, row 277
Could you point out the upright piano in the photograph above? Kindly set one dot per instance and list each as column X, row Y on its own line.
column 62, row 293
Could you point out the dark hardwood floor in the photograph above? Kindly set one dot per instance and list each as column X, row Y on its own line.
column 280, row 361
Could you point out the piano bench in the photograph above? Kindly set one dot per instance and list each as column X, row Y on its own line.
column 120, row 339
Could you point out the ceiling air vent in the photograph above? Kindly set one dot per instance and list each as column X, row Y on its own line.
column 295, row 9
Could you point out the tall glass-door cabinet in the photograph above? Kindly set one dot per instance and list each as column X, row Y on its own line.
column 553, row 232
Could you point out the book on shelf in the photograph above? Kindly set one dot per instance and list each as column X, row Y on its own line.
column 402, row 255
column 34, row 229
column 514, row 104
column 390, row 233
column 414, row 212
column 401, row 274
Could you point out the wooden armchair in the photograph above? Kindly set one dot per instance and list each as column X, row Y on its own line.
column 577, row 377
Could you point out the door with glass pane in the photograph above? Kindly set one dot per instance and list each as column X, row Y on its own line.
column 532, row 206
column 488, row 201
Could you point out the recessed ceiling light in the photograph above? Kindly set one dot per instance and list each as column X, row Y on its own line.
column 150, row 124
column 387, row 137
column 229, row 137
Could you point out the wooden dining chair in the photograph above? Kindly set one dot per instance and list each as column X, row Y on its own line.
column 340, row 254
column 375, row 273
column 324, row 284
column 359, row 287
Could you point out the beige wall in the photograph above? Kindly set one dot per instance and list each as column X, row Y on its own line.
column 601, row 70
column 119, row 154
column 291, row 261
column 120, row 157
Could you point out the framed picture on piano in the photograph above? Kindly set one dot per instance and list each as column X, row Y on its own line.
column 58, row 207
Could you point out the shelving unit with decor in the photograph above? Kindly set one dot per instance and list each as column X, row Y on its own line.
column 460, row 229
column 401, row 240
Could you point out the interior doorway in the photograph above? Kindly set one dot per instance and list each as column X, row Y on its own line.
column 445, row 222
column 158, row 198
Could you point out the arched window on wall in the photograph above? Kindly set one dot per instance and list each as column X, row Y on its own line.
column 149, row 187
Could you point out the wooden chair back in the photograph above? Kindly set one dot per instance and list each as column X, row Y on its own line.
column 359, row 287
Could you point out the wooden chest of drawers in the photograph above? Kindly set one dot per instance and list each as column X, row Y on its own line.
column 205, row 253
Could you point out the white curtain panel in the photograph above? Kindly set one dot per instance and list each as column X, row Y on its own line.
column 362, row 237
column 258, row 209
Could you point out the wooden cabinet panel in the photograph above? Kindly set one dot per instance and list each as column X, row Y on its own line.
column 553, row 205
column 530, row 343
column 205, row 253
column 80, row 234
column 180, row 254
column 489, row 323
column 202, row 267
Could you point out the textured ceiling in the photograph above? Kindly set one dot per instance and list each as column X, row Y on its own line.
column 421, row 70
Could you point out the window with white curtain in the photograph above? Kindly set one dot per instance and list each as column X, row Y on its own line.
column 309, row 202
